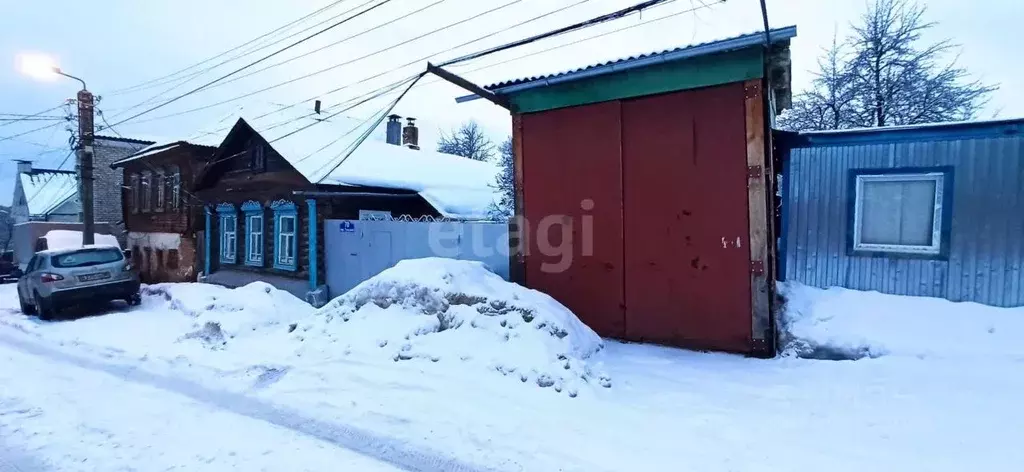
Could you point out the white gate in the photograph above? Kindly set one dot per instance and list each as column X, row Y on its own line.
column 356, row 250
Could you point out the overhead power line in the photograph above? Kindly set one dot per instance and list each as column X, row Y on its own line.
column 15, row 118
column 350, row 149
column 581, row 40
column 565, row 29
column 178, row 83
column 6, row 138
column 340, row 41
column 387, row 48
column 251, row 64
column 229, row 51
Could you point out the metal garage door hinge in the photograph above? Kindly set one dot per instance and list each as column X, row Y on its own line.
column 757, row 267
column 751, row 91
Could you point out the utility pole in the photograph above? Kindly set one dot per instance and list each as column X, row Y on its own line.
column 43, row 67
column 86, row 108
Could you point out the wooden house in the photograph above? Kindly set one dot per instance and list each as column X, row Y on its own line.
column 160, row 214
column 274, row 180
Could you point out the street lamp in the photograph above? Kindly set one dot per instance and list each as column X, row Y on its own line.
column 45, row 67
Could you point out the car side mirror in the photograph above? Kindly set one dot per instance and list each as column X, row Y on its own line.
column 17, row 273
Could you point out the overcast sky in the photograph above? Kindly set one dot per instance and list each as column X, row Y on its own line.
column 114, row 44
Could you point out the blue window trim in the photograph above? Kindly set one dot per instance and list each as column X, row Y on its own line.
column 285, row 208
column 225, row 210
column 946, row 214
column 206, row 240
column 313, row 248
column 253, row 208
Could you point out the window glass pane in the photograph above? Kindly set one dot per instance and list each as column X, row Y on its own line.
column 918, row 213
column 87, row 257
column 287, row 224
column 880, row 212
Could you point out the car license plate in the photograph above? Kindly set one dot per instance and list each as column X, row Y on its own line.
column 91, row 277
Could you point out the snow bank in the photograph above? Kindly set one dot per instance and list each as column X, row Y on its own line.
column 221, row 313
column 449, row 311
column 847, row 324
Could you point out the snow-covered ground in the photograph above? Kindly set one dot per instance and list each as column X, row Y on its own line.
column 415, row 369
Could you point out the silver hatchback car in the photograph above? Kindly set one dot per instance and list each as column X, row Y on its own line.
column 59, row 278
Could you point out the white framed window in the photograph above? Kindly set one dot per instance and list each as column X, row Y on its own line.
column 254, row 239
column 175, row 186
column 159, row 183
column 133, row 187
column 286, row 240
column 228, row 238
column 901, row 211
column 147, row 191
column 286, row 231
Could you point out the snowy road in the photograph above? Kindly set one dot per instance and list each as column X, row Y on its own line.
column 56, row 415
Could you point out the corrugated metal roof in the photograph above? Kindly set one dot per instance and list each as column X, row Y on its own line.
column 682, row 52
column 46, row 189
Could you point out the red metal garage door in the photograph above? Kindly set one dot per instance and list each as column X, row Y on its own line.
column 687, row 278
column 572, row 155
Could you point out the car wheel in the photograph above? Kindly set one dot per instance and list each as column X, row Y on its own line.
column 134, row 300
column 43, row 309
column 26, row 308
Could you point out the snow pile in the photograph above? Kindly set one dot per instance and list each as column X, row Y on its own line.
column 221, row 313
column 449, row 311
column 68, row 239
column 848, row 324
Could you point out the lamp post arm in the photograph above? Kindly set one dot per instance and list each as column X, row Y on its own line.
column 58, row 71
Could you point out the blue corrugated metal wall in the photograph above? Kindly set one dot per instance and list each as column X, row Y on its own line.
column 986, row 258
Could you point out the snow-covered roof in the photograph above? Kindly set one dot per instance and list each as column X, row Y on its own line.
column 211, row 136
column 64, row 239
column 47, row 189
column 456, row 186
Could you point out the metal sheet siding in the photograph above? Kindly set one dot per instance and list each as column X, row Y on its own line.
column 986, row 258
column 571, row 155
column 687, row 250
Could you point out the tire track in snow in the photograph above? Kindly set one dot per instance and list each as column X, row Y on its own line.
column 382, row 448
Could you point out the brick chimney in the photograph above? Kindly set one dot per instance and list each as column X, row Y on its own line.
column 394, row 130
column 411, row 135
column 24, row 166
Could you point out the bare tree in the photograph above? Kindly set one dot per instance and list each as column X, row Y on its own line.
column 467, row 141
column 505, row 182
column 829, row 103
column 882, row 76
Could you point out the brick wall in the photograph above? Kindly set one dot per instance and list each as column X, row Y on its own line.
column 158, row 259
column 107, row 182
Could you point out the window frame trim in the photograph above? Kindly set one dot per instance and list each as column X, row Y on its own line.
column 225, row 210
column 175, row 187
column 282, row 209
column 134, row 183
column 146, row 191
column 941, row 224
column 159, row 181
column 253, row 209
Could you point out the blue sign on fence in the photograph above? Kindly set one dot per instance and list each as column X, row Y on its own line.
column 348, row 227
